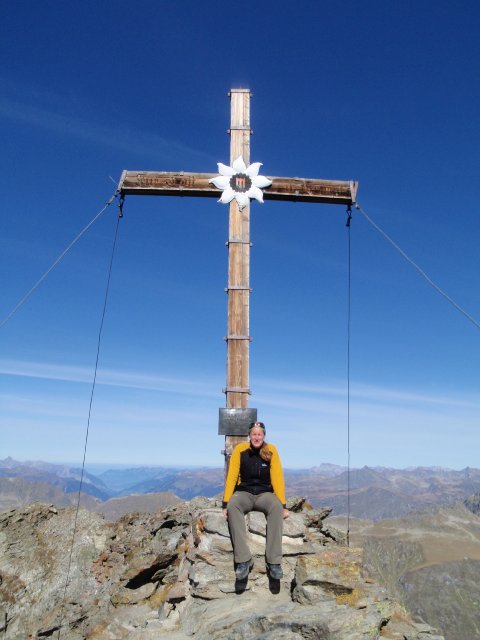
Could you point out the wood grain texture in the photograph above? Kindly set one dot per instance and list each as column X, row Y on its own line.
column 196, row 185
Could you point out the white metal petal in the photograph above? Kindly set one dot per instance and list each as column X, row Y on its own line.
column 224, row 170
column 221, row 182
column 255, row 192
column 253, row 169
column 227, row 196
column 261, row 182
column 239, row 165
column 242, row 199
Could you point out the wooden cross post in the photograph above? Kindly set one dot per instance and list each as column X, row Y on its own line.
column 238, row 323
column 236, row 416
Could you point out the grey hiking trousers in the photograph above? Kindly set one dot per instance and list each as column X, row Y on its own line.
column 242, row 503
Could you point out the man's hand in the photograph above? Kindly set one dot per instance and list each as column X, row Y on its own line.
column 286, row 513
column 225, row 513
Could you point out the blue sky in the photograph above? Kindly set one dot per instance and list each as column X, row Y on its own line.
column 385, row 93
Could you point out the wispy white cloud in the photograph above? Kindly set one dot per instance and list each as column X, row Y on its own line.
column 107, row 377
column 74, row 410
column 277, row 393
column 46, row 110
column 393, row 427
column 39, row 406
column 360, row 393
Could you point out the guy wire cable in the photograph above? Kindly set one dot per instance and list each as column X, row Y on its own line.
column 120, row 215
column 420, row 271
column 59, row 259
column 349, row 305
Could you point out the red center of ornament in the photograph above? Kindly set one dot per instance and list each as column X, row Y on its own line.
column 240, row 182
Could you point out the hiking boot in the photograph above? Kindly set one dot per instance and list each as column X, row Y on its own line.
column 275, row 571
column 243, row 569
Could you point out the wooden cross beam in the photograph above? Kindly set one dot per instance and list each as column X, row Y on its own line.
column 181, row 183
column 236, row 413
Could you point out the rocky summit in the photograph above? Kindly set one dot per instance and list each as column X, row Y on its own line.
column 171, row 575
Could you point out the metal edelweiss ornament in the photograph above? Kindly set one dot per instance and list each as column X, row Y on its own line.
column 240, row 182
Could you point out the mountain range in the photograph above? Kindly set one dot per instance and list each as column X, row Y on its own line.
column 372, row 493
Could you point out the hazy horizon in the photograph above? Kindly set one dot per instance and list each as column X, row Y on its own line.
column 105, row 466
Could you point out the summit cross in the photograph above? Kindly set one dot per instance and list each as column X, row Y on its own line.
column 235, row 418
